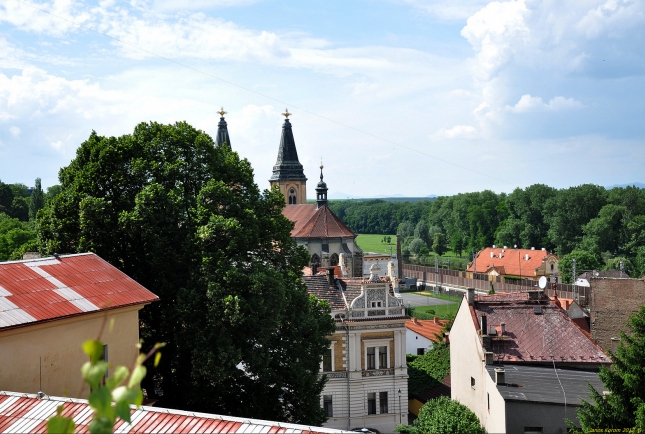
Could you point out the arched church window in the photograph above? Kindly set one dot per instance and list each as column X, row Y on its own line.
column 292, row 196
column 315, row 259
column 333, row 259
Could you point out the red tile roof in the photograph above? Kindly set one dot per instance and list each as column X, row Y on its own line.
column 315, row 223
column 51, row 288
column 534, row 337
column 426, row 328
column 26, row 413
column 512, row 261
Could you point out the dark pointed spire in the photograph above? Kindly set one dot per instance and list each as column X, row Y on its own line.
column 321, row 190
column 287, row 166
column 222, row 130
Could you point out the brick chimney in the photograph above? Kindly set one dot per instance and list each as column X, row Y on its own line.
column 471, row 296
column 330, row 275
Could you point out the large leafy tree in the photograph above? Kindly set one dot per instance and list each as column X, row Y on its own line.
column 185, row 219
column 37, row 200
column 624, row 406
column 444, row 416
column 585, row 261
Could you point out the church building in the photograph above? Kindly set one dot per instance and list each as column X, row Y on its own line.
column 317, row 228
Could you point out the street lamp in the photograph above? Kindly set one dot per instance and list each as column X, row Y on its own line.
column 400, row 406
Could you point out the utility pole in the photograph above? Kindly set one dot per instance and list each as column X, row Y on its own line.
column 574, row 277
column 436, row 272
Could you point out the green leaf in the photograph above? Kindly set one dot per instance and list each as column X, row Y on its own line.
column 157, row 359
column 94, row 349
column 123, row 410
column 138, row 374
column 96, row 373
column 101, row 401
column 101, row 425
column 120, row 374
column 60, row 425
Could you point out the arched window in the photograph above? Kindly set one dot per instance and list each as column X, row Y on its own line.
column 333, row 259
column 315, row 259
column 292, row 196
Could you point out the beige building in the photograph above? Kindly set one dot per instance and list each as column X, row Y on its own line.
column 366, row 366
column 50, row 306
column 520, row 363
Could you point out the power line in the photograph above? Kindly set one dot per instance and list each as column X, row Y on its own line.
column 199, row 71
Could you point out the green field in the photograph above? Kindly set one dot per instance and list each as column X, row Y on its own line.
column 443, row 311
column 374, row 243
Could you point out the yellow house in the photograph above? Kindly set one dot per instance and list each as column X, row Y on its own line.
column 50, row 306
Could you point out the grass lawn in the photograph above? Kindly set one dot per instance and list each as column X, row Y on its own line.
column 440, row 296
column 374, row 243
column 443, row 311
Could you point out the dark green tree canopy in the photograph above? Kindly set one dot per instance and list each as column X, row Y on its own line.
column 185, row 219
column 444, row 416
column 37, row 200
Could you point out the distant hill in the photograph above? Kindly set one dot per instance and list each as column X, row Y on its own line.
column 634, row 184
column 339, row 195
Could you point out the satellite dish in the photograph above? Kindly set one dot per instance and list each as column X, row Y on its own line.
column 542, row 282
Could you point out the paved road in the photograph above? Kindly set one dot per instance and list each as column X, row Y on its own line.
column 420, row 300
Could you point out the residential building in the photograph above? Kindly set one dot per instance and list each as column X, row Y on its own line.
column 527, row 264
column 613, row 301
column 366, row 365
column 50, row 306
column 422, row 334
column 20, row 412
column 520, row 363
column 584, row 278
column 386, row 264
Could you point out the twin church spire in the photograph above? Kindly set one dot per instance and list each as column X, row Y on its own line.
column 288, row 173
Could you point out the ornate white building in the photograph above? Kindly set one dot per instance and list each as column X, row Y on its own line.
column 366, row 365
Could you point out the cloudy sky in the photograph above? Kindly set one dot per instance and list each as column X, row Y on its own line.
column 411, row 97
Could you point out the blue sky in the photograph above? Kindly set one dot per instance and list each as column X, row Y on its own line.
column 511, row 93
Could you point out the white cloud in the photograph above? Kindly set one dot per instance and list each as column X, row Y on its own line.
column 456, row 132
column 56, row 18
column 528, row 103
column 15, row 131
column 450, row 10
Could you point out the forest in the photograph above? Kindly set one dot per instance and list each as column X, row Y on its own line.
column 601, row 228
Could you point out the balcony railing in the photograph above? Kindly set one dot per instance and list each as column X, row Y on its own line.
column 378, row 372
column 336, row 374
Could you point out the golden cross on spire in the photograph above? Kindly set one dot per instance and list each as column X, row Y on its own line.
column 321, row 165
column 222, row 112
column 286, row 113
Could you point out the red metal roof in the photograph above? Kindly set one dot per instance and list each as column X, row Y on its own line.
column 22, row 413
column 51, row 288
column 509, row 261
column 315, row 223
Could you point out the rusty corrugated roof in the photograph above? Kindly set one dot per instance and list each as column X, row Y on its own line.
column 46, row 289
column 315, row 223
column 25, row 413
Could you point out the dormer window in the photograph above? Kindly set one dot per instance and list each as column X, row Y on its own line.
column 376, row 304
column 292, row 196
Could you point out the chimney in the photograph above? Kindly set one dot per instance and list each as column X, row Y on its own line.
column 494, row 246
column 436, row 320
column 532, row 248
column 330, row 275
column 483, row 325
column 314, row 268
column 526, row 256
column 471, row 296
column 414, row 320
column 488, row 357
column 500, row 376
column 31, row 255
column 503, row 327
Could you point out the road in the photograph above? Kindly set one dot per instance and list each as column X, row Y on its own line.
column 420, row 300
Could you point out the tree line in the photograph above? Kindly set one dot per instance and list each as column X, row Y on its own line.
column 602, row 229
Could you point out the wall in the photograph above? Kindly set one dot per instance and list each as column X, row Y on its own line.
column 58, row 344
column 613, row 301
column 548, row 416
column 414, row 340
column 299, row 186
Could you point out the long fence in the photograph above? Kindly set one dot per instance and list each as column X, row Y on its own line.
column 484, row 282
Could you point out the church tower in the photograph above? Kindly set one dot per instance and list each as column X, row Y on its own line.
column 288, row 174
column 222, row 130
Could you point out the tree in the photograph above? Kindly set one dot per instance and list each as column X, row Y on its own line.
column 444, row 416
column 405, row 229
column 6, row 198
column 37, row 200
column 457, row 243
column 439, row 244
column 184, row 218
column 422, row 231
column 585, row 261
column 14, row 234
column 605, row 232
column 624, row 406
column 614, row 264
column 415, row 245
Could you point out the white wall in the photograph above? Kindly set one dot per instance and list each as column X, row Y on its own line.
column 414, row 340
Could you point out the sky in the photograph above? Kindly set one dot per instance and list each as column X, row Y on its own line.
column 398, row 97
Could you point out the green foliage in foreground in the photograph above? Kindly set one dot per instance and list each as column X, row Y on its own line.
column 111, row 399
column 428, row 370
column 185, row 219
column 13, row 235
column 624, row 407
column 444, row 416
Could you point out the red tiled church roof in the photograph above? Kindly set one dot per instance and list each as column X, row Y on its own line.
column 509, row 261
column 315, row 223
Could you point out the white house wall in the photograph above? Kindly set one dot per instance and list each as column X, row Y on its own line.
column 413, row 341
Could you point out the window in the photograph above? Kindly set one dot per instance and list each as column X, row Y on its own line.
column 371, row 358
column 333, row 259
column 328, row 405
column 472, row 382
column 421, row 351
column 533, row 430
column 382, row 401
column 488, row 401
column 551, row 266
column 376, row 304
column 326, row 363
column 371, row 403
column 292, row 196
column 382, row 357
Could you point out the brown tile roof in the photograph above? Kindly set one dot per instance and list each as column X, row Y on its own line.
column 319, row 287
column 426, row 328
column 535, row 337
column 315, row 223
column 512, row 261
